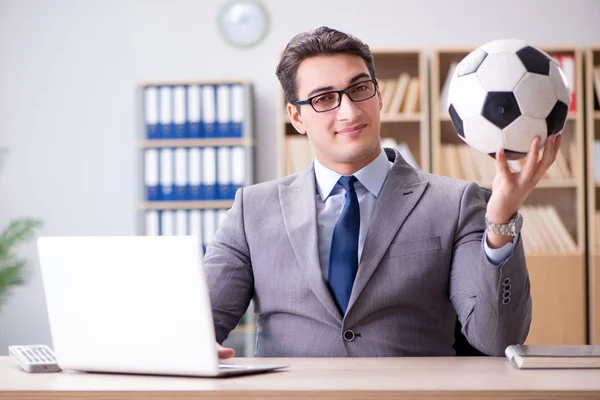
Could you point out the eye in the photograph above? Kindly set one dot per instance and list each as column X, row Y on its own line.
column 327, row 97
column 361, row 88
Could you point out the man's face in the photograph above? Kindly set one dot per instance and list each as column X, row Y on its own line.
column 346, row 138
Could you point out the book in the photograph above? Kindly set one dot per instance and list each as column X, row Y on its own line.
column 560, row 356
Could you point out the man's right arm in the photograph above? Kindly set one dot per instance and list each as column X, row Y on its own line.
column 229, row 271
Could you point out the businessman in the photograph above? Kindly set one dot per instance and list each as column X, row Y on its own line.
column 360, row 254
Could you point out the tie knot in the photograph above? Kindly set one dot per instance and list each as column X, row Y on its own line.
column 347, row 182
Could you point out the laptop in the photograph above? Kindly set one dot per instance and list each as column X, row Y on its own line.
column 132, row 304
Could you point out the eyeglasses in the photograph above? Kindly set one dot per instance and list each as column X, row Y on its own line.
column 328, row 101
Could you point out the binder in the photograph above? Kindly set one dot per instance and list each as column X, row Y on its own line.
column 195, row 224
column 208, row 227
column 166, row 174
column 224, row 110
column 181, row 174
column 151, row 167
column 238, row 169
column 194, row 173
column 151, row 112
column 209, row 112
column 179, row 125
column 194, row 128
column 224, row 173
column 181, row 223
column 209, row 173
column 239, row 100
column 166, row 113
column 152, row 223
column 167, row 223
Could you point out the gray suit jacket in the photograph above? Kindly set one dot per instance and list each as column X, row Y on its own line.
column 423, row 264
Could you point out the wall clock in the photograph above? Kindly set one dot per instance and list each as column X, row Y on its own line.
column 243, row 23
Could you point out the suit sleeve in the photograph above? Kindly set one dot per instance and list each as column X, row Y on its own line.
column 229, row 271
column 493, row 302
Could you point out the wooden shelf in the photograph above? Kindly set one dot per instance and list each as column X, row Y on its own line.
column 592, row 60
column 179, row 205
column 557, row 287
column 208, row 142
column 557, row 279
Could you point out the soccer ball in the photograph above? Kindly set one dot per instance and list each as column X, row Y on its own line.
column 503, row 94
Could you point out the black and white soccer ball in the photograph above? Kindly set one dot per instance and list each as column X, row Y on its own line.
column 506, row 92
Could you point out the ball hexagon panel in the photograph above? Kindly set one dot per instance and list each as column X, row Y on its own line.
column 555, row 122
column 501, row 108
column 467, row 95
column 534, row 60
column 482, row 135
column 502, row 45
column 519, row 134
column 560, row 83
column 456, row 121
column 536, row 95
column 501, row 72
column 471, row 62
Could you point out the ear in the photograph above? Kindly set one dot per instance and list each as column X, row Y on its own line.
column 296, row 119
column 379, row 96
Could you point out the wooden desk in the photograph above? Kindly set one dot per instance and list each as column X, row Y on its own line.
column 381, row 378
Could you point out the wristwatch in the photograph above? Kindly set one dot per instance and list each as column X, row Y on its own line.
column 512, row 228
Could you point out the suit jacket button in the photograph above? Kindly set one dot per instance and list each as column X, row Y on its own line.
column 348, row 335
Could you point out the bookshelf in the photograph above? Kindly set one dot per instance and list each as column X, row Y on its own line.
column 196, row 148
column 592, row 93
column 403, row 81
column 554, row 215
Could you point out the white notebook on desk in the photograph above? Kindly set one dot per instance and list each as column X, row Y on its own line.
column 574, row 356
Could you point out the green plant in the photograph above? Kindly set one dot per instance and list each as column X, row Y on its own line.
column 12, row 268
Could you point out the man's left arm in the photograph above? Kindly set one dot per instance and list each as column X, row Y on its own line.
column 496, row 311
column 492, row 300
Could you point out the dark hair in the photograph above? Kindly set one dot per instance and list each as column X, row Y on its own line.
column 319, row 42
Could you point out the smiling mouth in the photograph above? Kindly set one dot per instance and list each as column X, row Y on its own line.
column 352, row 131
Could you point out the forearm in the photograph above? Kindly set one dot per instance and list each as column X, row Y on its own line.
column 498, row 313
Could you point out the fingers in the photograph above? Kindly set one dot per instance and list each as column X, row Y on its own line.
column 530, row 167
column 224, row 352
column 550, row 152
column 502, row 167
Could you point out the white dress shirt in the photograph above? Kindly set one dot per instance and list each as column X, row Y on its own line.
column 330, row 201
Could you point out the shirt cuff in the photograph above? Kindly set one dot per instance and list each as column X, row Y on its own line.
column 498, row 256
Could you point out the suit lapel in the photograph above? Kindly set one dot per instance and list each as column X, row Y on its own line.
column 399, row 195
column 300, row 218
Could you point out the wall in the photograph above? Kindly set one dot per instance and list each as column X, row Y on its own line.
column 68, row 71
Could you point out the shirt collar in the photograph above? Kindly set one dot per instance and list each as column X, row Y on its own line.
column 371, row 176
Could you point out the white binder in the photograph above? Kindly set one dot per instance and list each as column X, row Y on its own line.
column 166, row 174
column 194, row 105
column 179, row 112
column 209, row 173
column 181, row 174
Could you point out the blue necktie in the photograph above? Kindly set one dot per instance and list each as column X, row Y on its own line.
column 343, row 254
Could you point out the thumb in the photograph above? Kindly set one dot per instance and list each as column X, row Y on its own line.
column 224, row 352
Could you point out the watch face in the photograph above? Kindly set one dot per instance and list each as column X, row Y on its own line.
column 243, row 23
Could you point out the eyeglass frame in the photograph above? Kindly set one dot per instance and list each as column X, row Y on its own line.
column 339, row 93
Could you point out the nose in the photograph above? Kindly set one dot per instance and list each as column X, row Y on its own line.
column 348, row 110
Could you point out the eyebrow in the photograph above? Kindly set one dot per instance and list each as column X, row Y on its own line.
column 354, row 79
